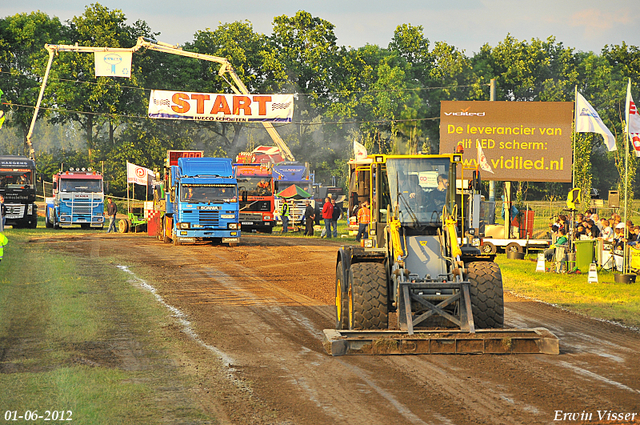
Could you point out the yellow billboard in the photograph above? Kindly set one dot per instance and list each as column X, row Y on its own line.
column 522, row 141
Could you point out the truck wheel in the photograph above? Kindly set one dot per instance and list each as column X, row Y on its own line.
column 488, row 248
column 47, row 223
column 176, row 241
column 341, row 301
column 123, row 226
column 368, row 296
column 514, row 247
column 487, row 298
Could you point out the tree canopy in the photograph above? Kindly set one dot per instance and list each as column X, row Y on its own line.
column 386, row 97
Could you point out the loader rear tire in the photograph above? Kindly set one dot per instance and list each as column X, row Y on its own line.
column 341, row 301
column 368, row 296
column 487, row 298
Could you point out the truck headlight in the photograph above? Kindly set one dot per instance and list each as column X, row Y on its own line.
column 183, row 225
column 233, row 225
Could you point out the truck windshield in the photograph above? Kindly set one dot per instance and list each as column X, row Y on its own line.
column 80, row 185
column 254, row 186
column 209, row 193
column 11, row 178
column 419, row 188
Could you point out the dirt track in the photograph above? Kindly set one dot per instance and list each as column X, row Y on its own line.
column 260, row 309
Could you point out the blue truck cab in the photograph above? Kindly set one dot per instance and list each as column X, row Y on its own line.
column 202, row 202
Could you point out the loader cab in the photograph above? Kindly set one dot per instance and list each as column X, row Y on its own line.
column 419, row 190
column 415, row 189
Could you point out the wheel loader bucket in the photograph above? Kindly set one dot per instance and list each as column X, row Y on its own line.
column 483, row 341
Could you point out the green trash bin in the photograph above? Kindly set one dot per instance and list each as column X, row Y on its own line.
column 584, row 254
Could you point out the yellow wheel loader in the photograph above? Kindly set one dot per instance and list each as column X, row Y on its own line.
column 419, row 282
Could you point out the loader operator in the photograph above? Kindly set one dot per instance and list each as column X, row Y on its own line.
column 439, row 194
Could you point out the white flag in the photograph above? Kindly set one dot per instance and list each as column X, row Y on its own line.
column 139, row 175
column 633, row 122
column 482, row 160
column 359, row 150
column 588, row 121
column 112, row 64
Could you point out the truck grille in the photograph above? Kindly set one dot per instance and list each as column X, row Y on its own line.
column 256, row 205
column 85, row 207
column 209, row 218
column 250, row 217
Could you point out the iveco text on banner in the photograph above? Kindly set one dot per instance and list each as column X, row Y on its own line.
column 221, row 107
column 522, row 141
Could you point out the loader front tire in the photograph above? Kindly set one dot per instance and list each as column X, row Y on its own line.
column 487, row 297
column 368, row 296
column 341, row 301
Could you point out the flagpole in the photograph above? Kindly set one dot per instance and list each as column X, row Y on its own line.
column 575, row 121
column 626, row 176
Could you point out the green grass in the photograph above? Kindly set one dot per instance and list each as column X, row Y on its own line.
column 69, row 324
column 618, row 302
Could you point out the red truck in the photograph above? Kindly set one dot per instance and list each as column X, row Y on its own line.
column 255, row 192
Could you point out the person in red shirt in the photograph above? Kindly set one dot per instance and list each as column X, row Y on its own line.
column 327, row 216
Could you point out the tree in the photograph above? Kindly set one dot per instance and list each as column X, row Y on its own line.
column 23, row 61
column 306, row 46
column 100, row 99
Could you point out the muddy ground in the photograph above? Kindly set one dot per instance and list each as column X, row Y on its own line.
column 257, row 311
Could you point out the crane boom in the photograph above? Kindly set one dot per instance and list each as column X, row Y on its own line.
column 226, row 68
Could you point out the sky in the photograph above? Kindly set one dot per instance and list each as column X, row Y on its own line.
column 586, row 25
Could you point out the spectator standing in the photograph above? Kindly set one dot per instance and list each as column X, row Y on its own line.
column 335, row 216
column 112, row 210
column 562, row 240
column 3, row 213
column 309, row 218
column 284, row 216
column 364, row 218
column 327, row 216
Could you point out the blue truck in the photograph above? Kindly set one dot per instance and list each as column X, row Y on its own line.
column 78, row 199
column 201, row 202
column 286, row 174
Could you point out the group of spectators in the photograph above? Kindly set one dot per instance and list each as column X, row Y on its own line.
column 331, row 213
column 590, row 226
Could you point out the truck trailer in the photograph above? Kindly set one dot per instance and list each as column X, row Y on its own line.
column 201, row 202
column 78, row 199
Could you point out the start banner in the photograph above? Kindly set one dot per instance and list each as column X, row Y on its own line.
column 221, row 107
